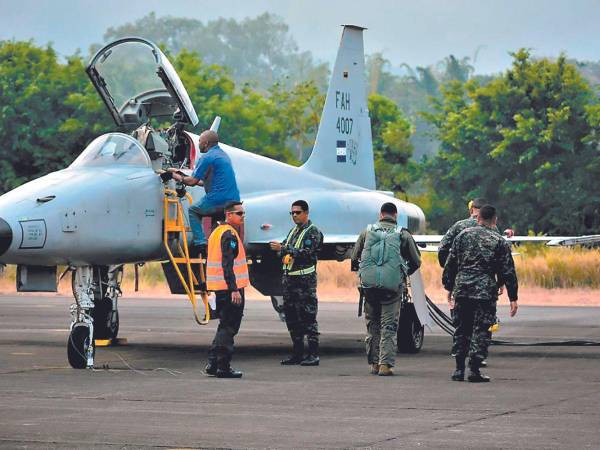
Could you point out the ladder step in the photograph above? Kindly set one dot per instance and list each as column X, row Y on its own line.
column 175, row 228
column 192, row 260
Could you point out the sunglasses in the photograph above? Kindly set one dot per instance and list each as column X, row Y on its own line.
column 295, row 213
column 238, row 213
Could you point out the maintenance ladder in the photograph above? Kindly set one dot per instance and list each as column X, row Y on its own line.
column 174, row 223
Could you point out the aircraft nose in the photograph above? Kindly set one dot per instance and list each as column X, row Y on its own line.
column 6, row 236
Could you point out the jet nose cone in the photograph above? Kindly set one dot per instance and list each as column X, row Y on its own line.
column 5, row 236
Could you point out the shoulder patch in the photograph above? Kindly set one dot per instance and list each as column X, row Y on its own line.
column 233, row 244
column 307, row 242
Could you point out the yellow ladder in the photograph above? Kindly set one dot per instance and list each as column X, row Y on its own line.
column 174, row 223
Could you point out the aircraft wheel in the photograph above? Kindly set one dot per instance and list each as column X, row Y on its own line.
column 106, row 321
column 277, row 301
column 411, row 333
column 78, row 344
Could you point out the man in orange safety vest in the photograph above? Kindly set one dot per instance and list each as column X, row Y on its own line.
column 226, row 276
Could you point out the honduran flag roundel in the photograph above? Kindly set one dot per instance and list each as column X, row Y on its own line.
column 341, row 151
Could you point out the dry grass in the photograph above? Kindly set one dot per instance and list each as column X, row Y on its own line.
column 539, row 269
column 558, row 267
column 548, row 268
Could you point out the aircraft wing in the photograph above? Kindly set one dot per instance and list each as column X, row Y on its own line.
column 579, row 240
column 430, row 242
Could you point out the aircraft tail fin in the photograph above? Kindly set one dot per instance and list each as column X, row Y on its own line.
column 343, row 148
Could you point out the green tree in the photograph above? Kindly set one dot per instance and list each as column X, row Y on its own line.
column 391, row 143
column 250, row 120
column 299, row 111
column 527, row 141
column 48, row 112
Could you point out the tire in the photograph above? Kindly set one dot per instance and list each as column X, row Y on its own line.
column 411, row 333
column 78, row 344
column 106, row 321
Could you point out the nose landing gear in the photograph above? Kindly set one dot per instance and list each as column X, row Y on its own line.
column 94, row 315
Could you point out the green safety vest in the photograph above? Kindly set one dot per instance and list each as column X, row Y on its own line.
column 287, row 268
column 381, row 263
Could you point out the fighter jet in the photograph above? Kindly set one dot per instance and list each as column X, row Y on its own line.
column 107, row 208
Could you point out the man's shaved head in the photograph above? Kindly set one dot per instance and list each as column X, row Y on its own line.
column 210, row 137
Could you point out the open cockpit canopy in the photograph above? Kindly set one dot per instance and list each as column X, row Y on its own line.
column 136, row 82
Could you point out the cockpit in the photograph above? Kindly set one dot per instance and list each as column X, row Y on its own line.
column 142, row 90
column 113, row 149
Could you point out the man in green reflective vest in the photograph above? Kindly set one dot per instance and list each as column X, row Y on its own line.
column 298, row 254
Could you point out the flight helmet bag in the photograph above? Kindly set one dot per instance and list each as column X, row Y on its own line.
column 381, row 264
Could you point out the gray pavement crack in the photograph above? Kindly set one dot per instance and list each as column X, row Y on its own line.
column 479, row 419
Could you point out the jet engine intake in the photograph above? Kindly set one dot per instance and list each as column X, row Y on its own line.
column 6, row 236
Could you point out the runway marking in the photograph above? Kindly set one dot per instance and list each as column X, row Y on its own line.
column 22, row 354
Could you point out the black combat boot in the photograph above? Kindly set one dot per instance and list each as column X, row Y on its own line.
column 229, row 373
column 224, row 369
column 312, row 359
column 211, row 369
column 297, row 353
column 475, row 376
column 459, row 373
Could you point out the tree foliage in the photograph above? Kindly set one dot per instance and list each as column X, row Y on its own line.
column 412, row 88
column 527, row 141
column 391, row 143
column 47, row 109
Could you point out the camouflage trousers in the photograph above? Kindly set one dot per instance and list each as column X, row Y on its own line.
column 230, row 319
column 300, row 306
column 473, row 318
column 381, row 316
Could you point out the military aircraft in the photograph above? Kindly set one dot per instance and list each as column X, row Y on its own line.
column 108, row 207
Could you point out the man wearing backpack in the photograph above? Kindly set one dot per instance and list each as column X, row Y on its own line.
column 385, row 254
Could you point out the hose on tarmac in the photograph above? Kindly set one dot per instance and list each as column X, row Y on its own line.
column 445, row 323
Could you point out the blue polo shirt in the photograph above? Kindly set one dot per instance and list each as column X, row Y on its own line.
column 215, row 169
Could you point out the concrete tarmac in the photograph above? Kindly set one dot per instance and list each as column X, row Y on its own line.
column 152, row 392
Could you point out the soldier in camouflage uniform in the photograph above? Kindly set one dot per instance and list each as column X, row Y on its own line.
column 382, row 305
column 480, row 261
column 299, row 257
column 446, row 243
column 471, row 221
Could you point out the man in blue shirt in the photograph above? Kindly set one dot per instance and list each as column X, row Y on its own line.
column 215, row 172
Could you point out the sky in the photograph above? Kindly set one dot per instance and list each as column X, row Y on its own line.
column 416, row 32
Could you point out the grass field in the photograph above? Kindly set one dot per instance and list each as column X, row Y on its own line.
column 548, row 274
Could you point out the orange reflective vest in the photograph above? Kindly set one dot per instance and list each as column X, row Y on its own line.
column 215, row 277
